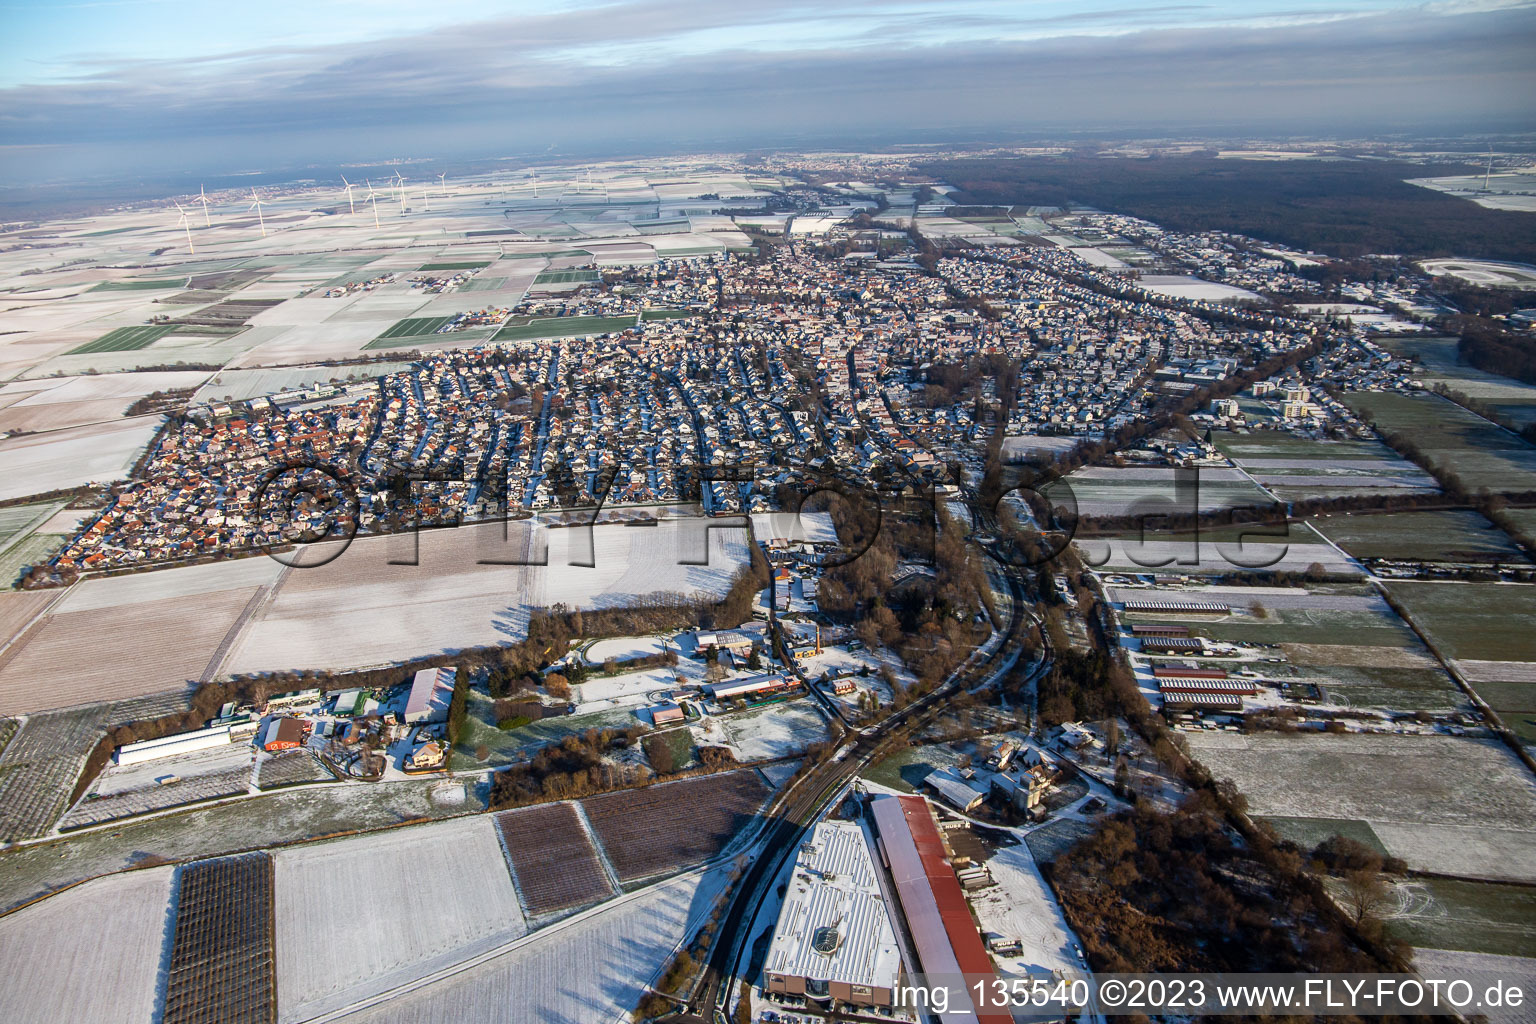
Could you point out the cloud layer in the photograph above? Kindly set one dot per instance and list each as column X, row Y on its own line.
column 677, row 73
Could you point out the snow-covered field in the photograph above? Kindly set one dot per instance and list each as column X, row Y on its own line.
column 775, row 731
column 623, row 690
column 103, row 452
column 1483, row 971
column 1180, row 287
column 1021, row 907
column 362, row 915
column 624, row 648
column 590, row 969
column 91, row 953
column 360, row 610
column 238, row 385
column 1447, row 804
column 803, row 527
column 1213, row 556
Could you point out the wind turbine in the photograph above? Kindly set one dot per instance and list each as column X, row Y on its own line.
column 1488, row 172
column 373, row 197
column 185, row 225
column 348, row 190
column 442, row 183
column 202, row 197
column 401, row 179
column 257, row 205
column 426, row 198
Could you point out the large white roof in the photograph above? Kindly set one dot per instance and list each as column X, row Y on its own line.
column 834, row 887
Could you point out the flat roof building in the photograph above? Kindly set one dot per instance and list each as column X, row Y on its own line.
column 751, row 686
column 834, row 941
column 933, row 904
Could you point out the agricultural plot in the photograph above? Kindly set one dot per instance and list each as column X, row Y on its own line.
column 19, row 520
column 155, row 796
column 1296, row 468
column 1446, row 804
column 1510, row 398
column 1455, row 914
column 1450, row 536
column 212, row 830
column 567, row 277
column 1348, row 641
column 553, row 858
column 1344, row 614
column 414, row 327
column 667, row 827
column 98, row 388
column 1152, row 490
column 1478, row 453
column 1281, row 547
column 290, row 768
column 1485, row 629
column 39, row 766
column 240, row 385
column 222, row 963
column 473, row 265
column 564, row 327
column 446, row 591
column 124, row 339
column 62, row 459
column 427, row 896
column 85, row 655
column 591, row 970
column 91, row 953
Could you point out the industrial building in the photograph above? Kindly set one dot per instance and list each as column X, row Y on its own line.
column 751, row 687
column 933, row 905
column 834, row 941
column 431, row 693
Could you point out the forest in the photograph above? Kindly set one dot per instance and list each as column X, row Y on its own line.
column 1343, row 208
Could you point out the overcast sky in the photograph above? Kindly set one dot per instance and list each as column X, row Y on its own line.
column 92, row 87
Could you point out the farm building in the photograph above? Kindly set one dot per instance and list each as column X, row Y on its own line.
column 347, row 702
column 753, row 686
column 833, row 940
column 844, row 685
column 955, row 789
column 1162, row 607
column 1187, row 672
column 1171, row 645
column 169, row 746
column 1236, row 687
column 431, row 693
column 283, row 734
column 1187, row 701
column 666, row 714
column 1146, row 629
column 735, row 641
column 932, row 902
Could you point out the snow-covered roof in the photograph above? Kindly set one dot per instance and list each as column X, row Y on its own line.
column 833, row 925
